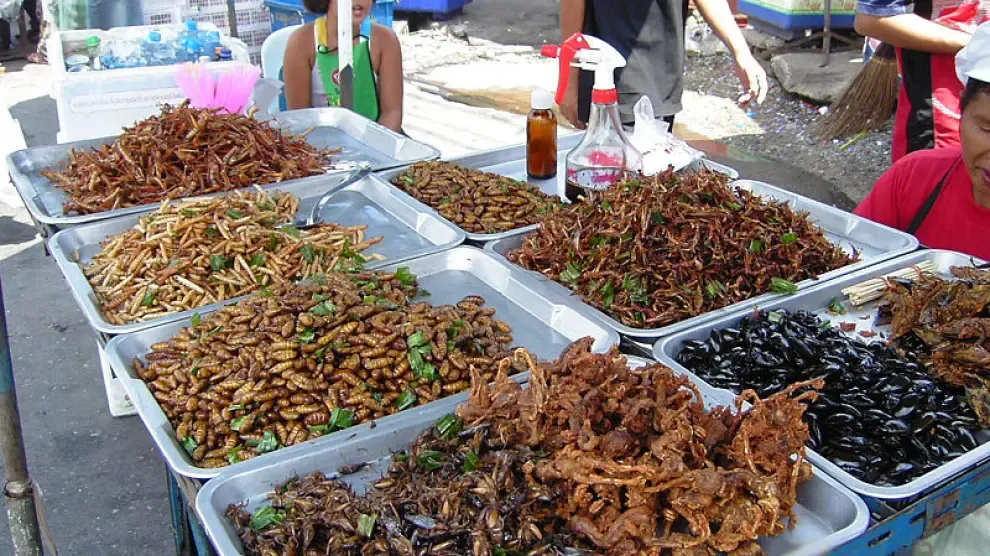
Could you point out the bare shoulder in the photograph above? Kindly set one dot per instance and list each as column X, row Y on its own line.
column 301, row 38
column 384, row 36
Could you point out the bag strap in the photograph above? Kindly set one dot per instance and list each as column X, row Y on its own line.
column 926, row 208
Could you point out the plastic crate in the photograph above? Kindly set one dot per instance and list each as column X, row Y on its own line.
column 798, row 15
column 163, row 17
column 433, row 6
column 285, row 13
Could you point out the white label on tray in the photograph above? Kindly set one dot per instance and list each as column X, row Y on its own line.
column 109, row 102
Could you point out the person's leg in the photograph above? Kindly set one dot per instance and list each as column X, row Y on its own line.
column 4, row 34
column 31, row 7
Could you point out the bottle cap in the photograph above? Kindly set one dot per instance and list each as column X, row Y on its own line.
column 191, row 25
column 155, row 36
column 93, row 41
column 541, row 100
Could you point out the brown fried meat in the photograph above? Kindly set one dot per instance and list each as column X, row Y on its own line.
column 591, row 456
column 658, row 250
column 183, row 152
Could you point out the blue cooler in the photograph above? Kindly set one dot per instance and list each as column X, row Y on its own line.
column 790, row 18
column 286, row 13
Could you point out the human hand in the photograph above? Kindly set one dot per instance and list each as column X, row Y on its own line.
column 569, row 108
column 753, row 78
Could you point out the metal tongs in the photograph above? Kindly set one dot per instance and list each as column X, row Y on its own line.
column 358, row 171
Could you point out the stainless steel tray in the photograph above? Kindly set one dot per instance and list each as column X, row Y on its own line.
column 361, row 140
column 409, row 228
column 816, row 300
column 511, row 163
column 538, row 325
column 828, row 514
column 874, row 243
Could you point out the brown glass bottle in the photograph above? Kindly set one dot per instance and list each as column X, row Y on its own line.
column 541, row 137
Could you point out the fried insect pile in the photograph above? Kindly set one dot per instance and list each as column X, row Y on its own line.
column 479, row 202
column 659, row 250
column 305, row 360
column 592, row 456
column 197, row 252
column 880, row 417
column 184, row 152
column 950, row 319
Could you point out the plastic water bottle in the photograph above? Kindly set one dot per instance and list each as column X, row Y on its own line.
column 210, row 41
column 191, row 50
column 191, row 31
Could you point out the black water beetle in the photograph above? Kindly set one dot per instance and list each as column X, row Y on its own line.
column 895, row 427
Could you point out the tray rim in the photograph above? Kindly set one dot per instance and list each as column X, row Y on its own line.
column 72, row 271
column 29, row 194
column 515, row 153
column 910, row 245
column 153, row 417
column 214, row 525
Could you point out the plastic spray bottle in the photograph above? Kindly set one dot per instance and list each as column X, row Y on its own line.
column 605, row 156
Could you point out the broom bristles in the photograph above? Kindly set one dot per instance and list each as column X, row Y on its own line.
column 869, row 101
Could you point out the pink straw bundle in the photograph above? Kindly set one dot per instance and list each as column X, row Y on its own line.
column 230, row 93
column 197, row 84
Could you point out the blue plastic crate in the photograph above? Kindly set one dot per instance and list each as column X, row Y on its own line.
column 792, row 21
column 434, row 6
column 286, row 13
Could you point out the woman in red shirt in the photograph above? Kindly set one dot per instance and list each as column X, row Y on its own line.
column 942, row 196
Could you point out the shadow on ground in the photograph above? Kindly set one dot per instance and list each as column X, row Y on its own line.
column 13, row 232
column 102, row 480
column 42, row 113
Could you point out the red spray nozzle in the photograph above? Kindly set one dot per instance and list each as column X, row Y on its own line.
column 565, row 53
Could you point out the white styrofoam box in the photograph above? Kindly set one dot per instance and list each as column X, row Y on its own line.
column 100, row 103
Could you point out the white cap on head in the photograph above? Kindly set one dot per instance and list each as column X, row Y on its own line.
column 973, row 61
column 541, row 99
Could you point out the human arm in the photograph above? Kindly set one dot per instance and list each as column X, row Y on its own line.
column 390, row 80
column 297, row 69
column 751, row 74
column 894, row 22
column 571, row 21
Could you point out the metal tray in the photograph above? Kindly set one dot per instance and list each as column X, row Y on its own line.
column 409, row 228
column 538, row 325
column 874, row 243
column 828, row 514
column 361, row 140
column 816, row 300
column 511, row 163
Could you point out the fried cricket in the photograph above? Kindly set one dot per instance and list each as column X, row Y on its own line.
column 591, row 456
column 193, row 253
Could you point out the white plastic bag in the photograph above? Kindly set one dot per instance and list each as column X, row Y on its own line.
column 659, row 147
column 10, row 9
column 265, row 94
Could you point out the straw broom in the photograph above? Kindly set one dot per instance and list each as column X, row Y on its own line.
column 868, row 102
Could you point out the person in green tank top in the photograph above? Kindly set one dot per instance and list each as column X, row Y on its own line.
column 309, row 68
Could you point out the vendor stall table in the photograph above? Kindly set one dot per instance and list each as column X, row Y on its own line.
column 893, row 525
